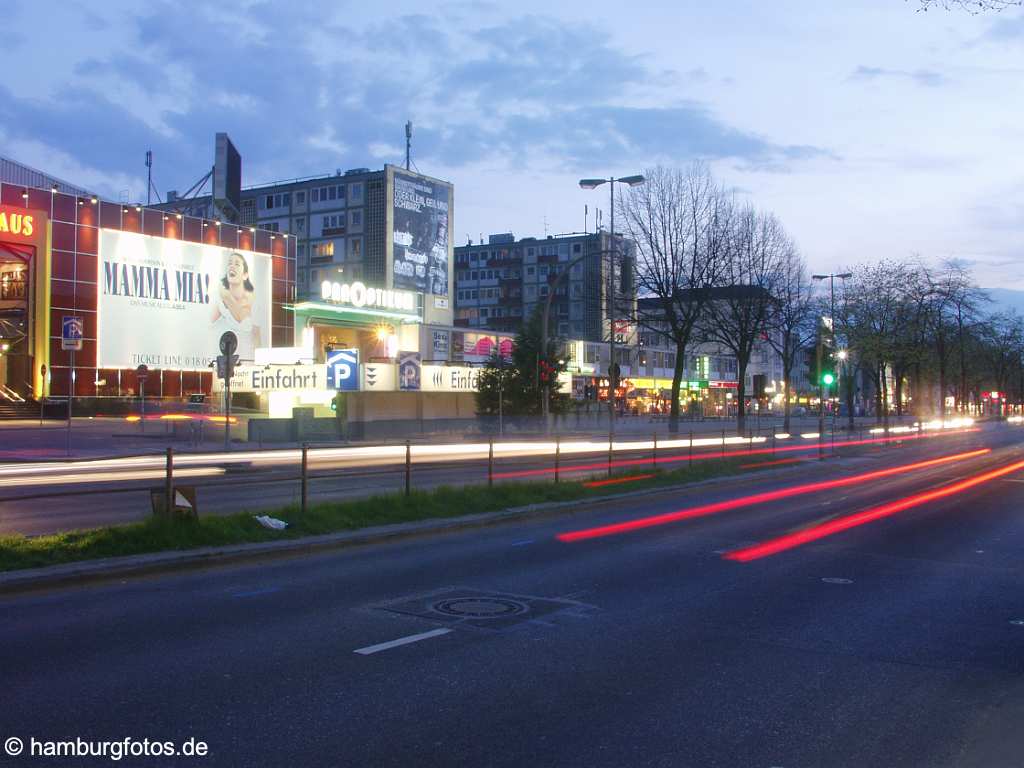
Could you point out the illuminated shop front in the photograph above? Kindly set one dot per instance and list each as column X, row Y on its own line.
column 152, row 288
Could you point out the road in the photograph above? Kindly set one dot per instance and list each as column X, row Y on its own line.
column 57, row 495
column 734, row 633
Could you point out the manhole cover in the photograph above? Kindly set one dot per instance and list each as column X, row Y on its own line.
column 476, row 608
column 480, row 607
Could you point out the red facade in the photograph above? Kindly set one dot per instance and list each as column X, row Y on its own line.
column 76, row 222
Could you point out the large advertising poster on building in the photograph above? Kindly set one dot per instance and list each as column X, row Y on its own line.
column 165, row 303
column 420, row 231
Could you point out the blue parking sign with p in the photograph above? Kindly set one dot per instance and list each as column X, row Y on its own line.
column 343, row 369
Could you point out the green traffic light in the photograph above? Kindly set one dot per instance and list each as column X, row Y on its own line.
column 828, row 379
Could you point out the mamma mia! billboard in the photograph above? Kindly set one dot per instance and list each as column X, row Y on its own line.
column 421, row 222
column 165, row 303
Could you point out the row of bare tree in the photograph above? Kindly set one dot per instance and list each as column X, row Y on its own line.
column 714, row 269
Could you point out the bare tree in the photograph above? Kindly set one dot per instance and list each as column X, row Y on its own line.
column 742, row 310
column 792, row 323
column 669, row 220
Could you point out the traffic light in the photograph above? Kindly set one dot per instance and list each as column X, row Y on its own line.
column 828, row 378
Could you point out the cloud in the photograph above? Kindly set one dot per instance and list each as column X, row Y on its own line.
column 923, row 77
column 1006, row 29
column 300, row 92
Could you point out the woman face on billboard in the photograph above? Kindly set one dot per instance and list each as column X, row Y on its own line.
column 237, row 274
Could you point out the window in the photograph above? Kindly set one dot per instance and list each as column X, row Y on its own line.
column 271, row 226
column 356, row 218
column 577, row 248
column 355, row 248
column 300, row 224
column 332, row 193
column 333, row 224
column 268, row 201
column 357, row 192
column 300, row 198
column 321, row 252
column 530, row 271
column 314, row 195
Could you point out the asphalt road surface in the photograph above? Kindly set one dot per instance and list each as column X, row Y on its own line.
column 878, row 621
column 47, row 497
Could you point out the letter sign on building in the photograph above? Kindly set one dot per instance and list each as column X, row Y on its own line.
column 343, row 369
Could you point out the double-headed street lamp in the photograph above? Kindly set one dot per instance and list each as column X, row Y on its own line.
column 821, row 376
column 632, row 181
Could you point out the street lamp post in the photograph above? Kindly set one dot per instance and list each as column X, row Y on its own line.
column 632, row 181
column 832, row 320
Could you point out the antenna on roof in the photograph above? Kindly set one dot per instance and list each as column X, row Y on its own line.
column 408, row 143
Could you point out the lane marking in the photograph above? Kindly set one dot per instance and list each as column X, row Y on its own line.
column 836, row 580
column 400, row 641
column 254, row 592
column 523, row 543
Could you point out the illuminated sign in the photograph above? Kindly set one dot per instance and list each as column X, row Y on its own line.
column 276, row 378
column 15, row 222
column 165, row 303
column 359, row 295
column 449, row 378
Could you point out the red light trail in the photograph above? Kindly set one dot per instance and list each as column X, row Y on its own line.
column 799, row 538
column 758, row 498
column 714, row 454
column 616, row 481
column 775, row 463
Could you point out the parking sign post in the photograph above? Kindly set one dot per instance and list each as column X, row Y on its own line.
column 72, row 333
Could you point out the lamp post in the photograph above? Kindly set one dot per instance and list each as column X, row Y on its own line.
column 632, row 181
column 832, row 322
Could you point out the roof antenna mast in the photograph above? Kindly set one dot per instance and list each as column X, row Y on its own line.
column 408, row 142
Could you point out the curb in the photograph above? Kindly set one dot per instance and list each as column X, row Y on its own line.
column 89, row 571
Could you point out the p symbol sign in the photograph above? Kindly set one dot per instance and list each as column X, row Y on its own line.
column 343, row 369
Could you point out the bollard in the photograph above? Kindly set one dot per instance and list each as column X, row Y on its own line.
column 723, row 443
column 305, row 477
column 558, row 455
column 408, row 468
column 773, row 445
column 609, row 454
column 490, row 462
column 654, row 454
column 169, row 483
column 689, row 463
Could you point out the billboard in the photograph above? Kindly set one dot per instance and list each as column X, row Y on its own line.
column 420, row 231
column 165, row 303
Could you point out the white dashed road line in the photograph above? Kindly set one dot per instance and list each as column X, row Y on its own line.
column 401, row 641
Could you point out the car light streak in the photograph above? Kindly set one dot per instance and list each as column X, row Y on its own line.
column 759, row 498
column 616, row 481
column 382, row 455
column 73, row 478
column 838, row 525
column 759, row 464
column 699, row 456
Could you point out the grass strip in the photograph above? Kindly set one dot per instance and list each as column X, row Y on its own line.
column 158, row 534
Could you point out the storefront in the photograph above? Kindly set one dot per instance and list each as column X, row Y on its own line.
column 150, row 288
